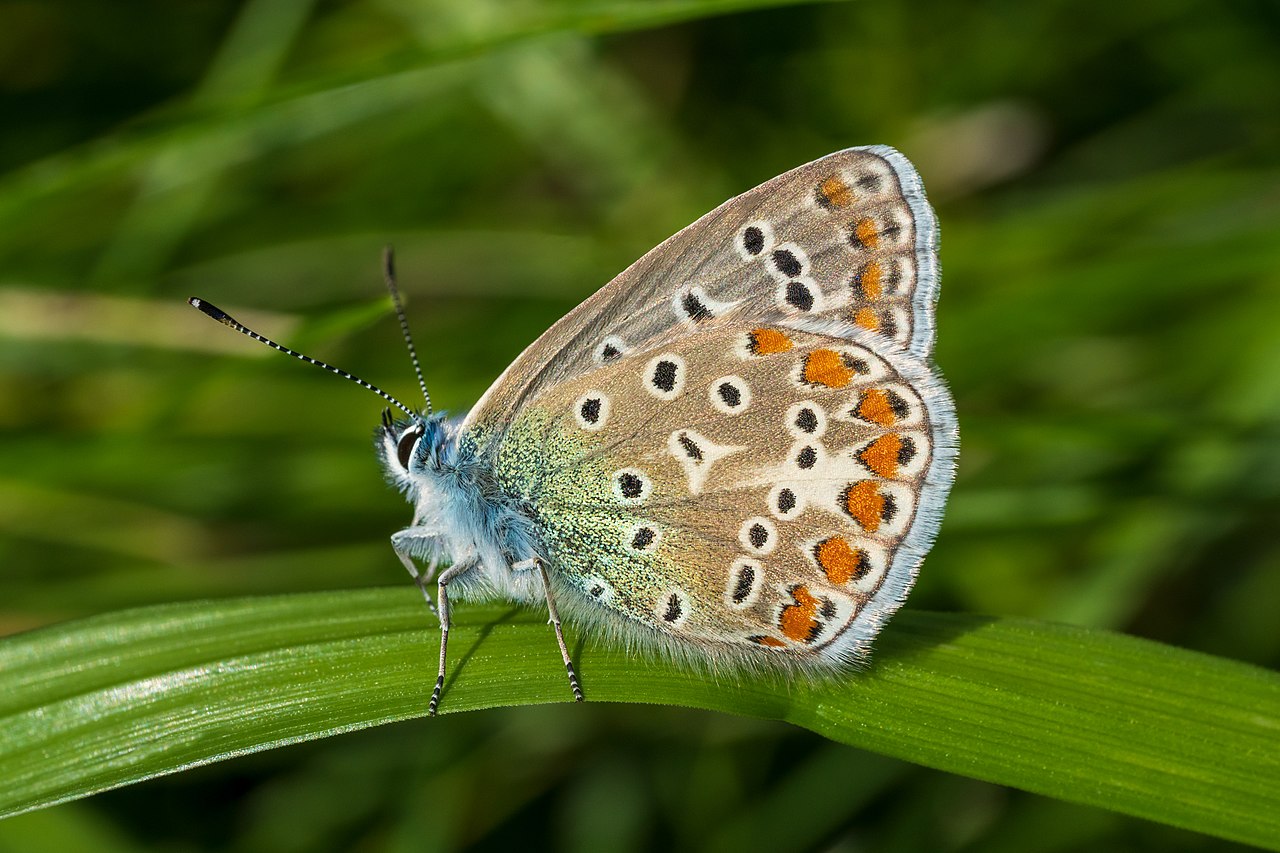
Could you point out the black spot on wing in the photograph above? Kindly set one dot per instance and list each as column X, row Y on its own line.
column 807, row 420
column 664, row 376
column 630, row 485
column 786, row 500
column 799, row 296
column 807, row 458
column 787, row 263
column 730, row 394
column 694, row 309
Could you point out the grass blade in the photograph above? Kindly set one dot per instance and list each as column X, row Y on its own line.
column 1083, row 715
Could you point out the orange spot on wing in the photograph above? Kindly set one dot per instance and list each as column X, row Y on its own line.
column 867, row 319
column 881, row 456
column 836, row 192
column 826, row 367
column 797, row 620
column 772, row 642
column 863, row 501
column 769, row 341
column 867, row 233
column 839, row 560
column 875, row 407
column 871, row 281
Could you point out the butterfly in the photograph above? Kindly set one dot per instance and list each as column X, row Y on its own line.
column 737, row 452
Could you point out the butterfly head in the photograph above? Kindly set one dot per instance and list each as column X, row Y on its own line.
column 414, row 449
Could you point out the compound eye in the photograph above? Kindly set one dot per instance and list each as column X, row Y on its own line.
column 407, row 442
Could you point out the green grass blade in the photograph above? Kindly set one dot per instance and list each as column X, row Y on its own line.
column 1083, row 715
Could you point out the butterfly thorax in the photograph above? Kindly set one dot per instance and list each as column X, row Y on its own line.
column 460, row 513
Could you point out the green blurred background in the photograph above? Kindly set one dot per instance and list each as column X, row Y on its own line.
column 1107, row 177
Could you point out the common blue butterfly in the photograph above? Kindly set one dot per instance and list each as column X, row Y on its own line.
column 737, row 452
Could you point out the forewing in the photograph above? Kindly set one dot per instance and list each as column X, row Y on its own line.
column 759, row 487
column 849, row 237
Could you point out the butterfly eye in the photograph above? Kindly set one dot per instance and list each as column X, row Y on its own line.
column 407, row 442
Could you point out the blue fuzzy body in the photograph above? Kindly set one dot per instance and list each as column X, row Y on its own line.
column 460, row 511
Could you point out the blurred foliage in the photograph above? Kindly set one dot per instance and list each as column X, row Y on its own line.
column 1108, row 182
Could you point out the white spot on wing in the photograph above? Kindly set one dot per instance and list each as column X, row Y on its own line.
column 692, row 305
column 642, row 538
column 786, row 501
column 673, row 608
column 610, row 350
column 591, row 411
column 758, row 536
column 746, row 579
column 696, row 454
column 631, row 486
column 754, row 240
column 729, row 394
column 599, row 588
column 664, row 376
column 806, row 420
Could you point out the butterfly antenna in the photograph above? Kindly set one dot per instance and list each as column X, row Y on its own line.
column 389, row 275
column 227, row 320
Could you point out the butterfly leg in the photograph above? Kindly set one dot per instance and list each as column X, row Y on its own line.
column 442, row 596
column 403, row 543
column 528, row 565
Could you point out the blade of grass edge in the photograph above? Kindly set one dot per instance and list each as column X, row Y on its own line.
column 1087, row 716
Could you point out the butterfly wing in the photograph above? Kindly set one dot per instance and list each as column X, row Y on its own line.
column 740, row 442
column 757, row 486
column 850, row 236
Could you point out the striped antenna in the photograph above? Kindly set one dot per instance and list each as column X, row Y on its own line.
column 389, row 275
column 227, row 320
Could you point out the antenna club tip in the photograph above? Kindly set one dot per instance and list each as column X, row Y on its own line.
column 209, row 309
